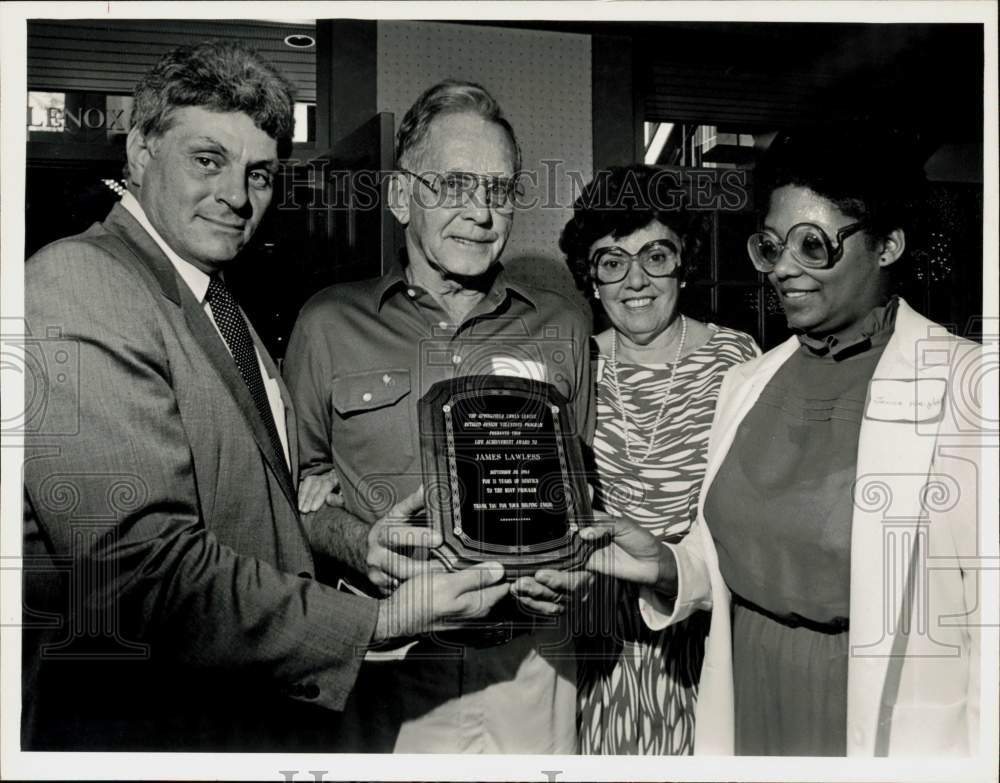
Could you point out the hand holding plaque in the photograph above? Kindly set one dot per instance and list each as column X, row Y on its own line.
column 393, row 541
column 503, row 473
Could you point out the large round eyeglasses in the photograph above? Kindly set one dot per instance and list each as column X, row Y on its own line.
column 808, row 243
column 458, row 188
column 659, row 258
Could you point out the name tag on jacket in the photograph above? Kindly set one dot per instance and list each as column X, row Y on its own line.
column 910, row 400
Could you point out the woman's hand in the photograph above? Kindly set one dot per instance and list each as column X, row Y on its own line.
column 628, row 552
column 317, row 489
column 549, row 591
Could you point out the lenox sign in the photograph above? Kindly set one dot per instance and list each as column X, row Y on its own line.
column 90, row 118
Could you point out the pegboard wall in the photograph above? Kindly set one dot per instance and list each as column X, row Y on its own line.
column 542, row 82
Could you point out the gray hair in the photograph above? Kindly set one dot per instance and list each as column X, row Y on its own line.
column 221, row 76
column 448, row 97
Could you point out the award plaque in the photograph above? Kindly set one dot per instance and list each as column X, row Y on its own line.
column 503, row 474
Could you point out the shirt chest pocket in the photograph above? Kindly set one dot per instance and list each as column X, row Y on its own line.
column 372, row 428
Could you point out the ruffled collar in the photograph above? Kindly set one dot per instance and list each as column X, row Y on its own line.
column 876, row 329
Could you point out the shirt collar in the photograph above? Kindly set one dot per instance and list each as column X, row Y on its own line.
column 875, row 332
column 390, row 282
column 516, row 288
column 395, row 280
column 196, row 279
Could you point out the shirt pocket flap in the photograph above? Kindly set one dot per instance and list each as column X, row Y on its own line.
column 370, row 390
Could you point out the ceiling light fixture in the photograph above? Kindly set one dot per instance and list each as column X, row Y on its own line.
column 300, row 41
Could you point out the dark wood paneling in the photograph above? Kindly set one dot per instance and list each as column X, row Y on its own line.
column 328, row 224
column 325, row 35
column 355, row 74
column 617, row 120
column 367, row 238
column 346, row 78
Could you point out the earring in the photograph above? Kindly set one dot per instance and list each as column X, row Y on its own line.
column 683, row 284
column 597, row 293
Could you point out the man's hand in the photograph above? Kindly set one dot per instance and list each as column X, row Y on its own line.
column 549, row 591
column 397, row 548
column 317, row 489
column 439, row 601
column 629, row 552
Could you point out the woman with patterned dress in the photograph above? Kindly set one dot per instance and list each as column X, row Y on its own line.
column 658, row 376
column 838, row 530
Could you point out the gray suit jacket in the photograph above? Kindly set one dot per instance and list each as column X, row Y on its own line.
column 169, row 596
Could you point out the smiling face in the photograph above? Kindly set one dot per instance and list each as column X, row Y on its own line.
column 823, row 302
column 463, row 241
column 640, row 307
column 205, row 182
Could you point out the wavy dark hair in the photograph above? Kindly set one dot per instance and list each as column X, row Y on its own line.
column 619, row 201
column 220, row 76
column 873, row 175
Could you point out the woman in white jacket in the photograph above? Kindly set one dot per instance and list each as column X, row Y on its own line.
column 837, row 525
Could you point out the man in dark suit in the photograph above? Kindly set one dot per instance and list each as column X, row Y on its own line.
column 169, row 596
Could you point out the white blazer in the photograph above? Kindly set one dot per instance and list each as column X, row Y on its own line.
column 913, row 672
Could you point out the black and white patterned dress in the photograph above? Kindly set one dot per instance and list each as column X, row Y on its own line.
column 638, row 687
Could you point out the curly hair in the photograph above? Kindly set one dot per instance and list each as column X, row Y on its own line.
column 221, row 76
column 619, row 201
column 871, row 175
column 448, row 97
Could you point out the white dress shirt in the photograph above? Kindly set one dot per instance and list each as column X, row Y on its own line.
column 198, row 282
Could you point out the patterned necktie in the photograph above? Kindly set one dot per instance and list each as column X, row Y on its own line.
column 234, row 330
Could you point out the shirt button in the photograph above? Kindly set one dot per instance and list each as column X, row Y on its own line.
column 456, row 359
column 443, row 324
column 366, row 397
column 410, row 293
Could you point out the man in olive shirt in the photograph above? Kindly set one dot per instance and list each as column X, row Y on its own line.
column 361, row 357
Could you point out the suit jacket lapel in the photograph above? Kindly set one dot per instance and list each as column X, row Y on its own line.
column 894, row 459
column 212, row 344
column 120, row 223
column 147, row 253
column 291, row 425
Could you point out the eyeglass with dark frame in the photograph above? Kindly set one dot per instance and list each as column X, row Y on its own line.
column 659, row 258
column 809, row 244
column 456, row 188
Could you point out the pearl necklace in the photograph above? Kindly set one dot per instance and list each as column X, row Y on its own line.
column 663, row 404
